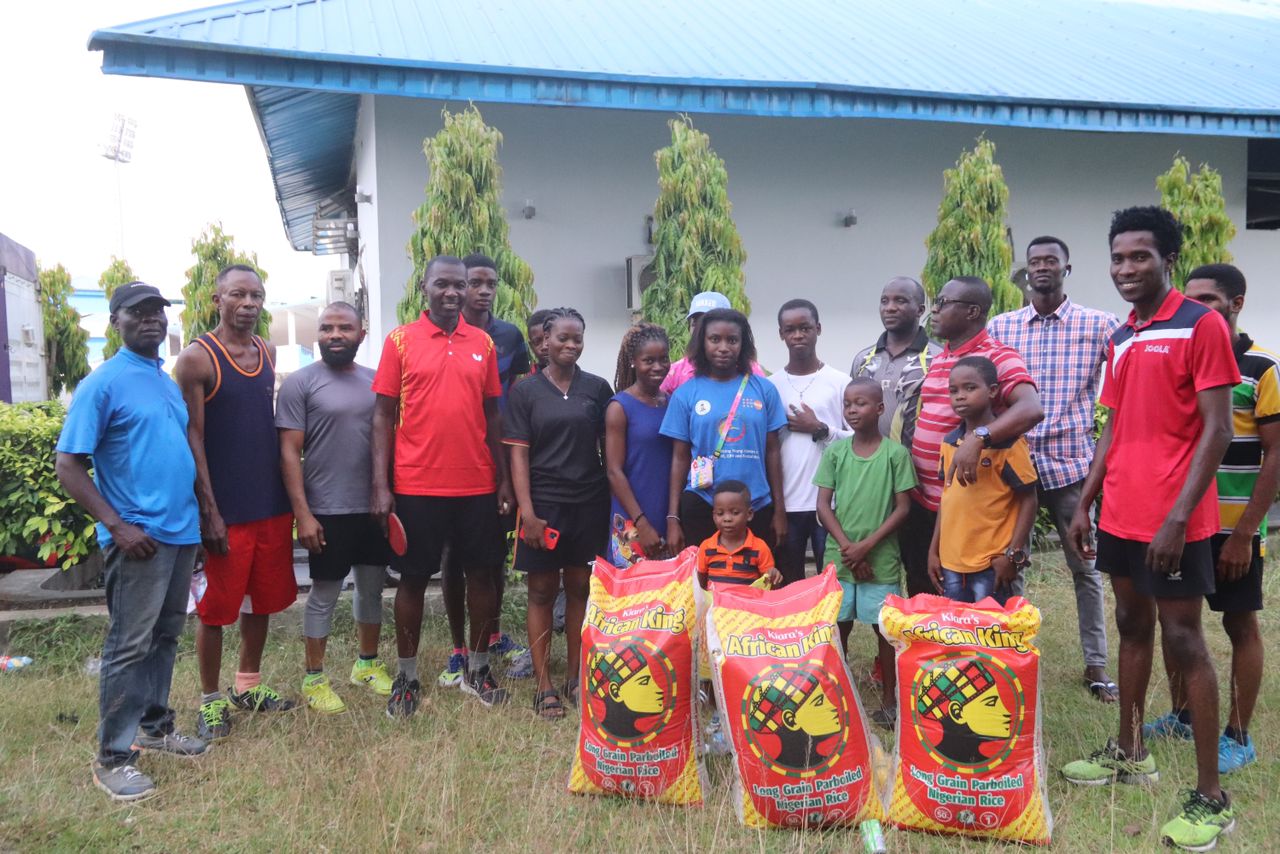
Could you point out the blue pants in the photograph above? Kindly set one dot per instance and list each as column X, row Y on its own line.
column 972, row 586
column 804, row 532
column 147, row 604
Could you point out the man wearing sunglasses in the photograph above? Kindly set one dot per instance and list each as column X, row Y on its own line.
column 960, row 318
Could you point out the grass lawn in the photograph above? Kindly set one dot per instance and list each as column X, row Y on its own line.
column 460, row 777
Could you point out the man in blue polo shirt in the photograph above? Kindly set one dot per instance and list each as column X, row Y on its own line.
column 127, row 420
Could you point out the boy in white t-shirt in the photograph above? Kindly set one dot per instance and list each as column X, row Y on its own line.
column 813, row 395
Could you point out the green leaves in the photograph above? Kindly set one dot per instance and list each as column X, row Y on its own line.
column 214, row 250
column 66, row 345
column 696, row 244
column 37, row 519
column 463, row 214
column 118, row 273
column 971, row 238
column 1196, row 200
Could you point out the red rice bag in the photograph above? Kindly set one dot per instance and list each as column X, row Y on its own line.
column 800, row 742
column 969, row 757
column 637, row 735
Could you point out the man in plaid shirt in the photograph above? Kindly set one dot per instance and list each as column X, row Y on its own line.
column 1064, row 346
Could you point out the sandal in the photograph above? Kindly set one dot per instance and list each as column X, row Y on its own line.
column 547, row 705
column 1104, row 691
column 571, row 692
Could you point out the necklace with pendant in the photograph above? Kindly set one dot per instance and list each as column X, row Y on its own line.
column 807, row 386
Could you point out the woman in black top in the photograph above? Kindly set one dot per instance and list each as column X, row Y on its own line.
column 555, row 425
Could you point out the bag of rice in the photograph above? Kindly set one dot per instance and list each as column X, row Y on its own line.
column 969, row 757
column 800, row 742
column 637, row 733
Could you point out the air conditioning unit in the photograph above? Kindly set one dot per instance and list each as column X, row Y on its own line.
column 639, row 276
column 342, row 287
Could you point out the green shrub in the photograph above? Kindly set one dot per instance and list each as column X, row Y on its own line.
column 37, row 519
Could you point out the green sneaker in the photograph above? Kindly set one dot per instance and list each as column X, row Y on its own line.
column 260, row 698
column 320, row 695
column 1200, row 823
column 372, row 675
column 1110, row 765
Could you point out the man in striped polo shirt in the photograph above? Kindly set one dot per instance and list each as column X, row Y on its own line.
column 1247, row 480
column 1168, row 385
column 1065, row 347
column 960, row 318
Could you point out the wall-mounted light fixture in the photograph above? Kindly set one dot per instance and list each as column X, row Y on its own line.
column 362, row 197
column 850, row 219
column 528, row 211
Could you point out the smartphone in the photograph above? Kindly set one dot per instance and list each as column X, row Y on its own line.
column 550, row 536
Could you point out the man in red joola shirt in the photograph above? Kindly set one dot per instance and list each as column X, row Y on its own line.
column 1169, row 374
column 438, row 464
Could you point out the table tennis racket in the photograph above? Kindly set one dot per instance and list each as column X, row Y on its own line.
column 396, row 535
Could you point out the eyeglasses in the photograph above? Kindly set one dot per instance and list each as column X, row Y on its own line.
column 942, row 302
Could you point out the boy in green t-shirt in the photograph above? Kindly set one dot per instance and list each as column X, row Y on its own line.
column 869, row 479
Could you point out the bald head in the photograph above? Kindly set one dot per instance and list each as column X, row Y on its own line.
column 902, row 303
column 974, row 290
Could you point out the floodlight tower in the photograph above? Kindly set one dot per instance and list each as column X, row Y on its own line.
column 118, row 148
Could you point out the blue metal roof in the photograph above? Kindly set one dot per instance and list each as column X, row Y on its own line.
column 1100, row 65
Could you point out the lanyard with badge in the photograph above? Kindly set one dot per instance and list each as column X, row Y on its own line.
column 702, row 469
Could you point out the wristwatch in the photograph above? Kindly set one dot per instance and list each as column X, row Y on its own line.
column 984, row 434
column 1018, row 557
column 822, row 434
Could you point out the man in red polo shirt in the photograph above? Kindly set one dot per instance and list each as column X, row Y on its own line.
column 1170, row 371
column 437, row 386
column 960, row 318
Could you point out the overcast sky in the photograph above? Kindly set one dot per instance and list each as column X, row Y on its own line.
column 198, row 156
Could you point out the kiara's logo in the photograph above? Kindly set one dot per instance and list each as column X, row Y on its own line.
column 967, row 712
column 657, row 618
column 795, row 718
column 631, row 691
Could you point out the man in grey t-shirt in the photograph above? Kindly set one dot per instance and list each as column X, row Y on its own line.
column 324, row 413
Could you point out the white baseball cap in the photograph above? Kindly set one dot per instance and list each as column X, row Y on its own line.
column 705, row 301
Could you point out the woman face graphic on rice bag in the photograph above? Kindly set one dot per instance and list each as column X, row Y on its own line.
column 965, row 699
column 623, row 679
column 794, row 705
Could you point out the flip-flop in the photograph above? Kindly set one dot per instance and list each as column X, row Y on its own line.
column 1104, row 691
column 547, row 705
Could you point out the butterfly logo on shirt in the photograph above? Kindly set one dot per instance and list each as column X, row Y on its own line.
column 477, row 357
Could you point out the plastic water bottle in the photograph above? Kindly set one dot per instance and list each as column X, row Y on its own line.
column 872, row 837
column 13, row 662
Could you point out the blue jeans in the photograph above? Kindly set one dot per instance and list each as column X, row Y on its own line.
column 972, row 586
column 804, row 531
column 147, row 604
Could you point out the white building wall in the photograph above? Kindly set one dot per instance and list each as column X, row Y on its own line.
column 592, row 178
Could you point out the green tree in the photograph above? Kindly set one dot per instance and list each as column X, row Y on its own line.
column 214, row 249
column 66, row 345
column 971, row 237
column 117, row 274
column 1196, row 200
column 697, row 246
column 463, row 214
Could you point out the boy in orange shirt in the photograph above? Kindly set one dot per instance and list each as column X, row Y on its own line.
column 734, row 555
column 980, row 540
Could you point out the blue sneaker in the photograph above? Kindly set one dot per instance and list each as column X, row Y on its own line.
column 1167, row 726
column 506, row 649
column 451, row 676
column 1232, row 755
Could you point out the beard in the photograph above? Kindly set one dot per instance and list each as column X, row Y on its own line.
column 339, row 358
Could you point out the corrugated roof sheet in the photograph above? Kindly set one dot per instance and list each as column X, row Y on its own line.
column 1102, row 65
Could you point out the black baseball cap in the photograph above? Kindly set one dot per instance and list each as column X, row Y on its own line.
column 133, row 293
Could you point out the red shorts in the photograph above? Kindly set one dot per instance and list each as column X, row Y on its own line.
column 255, row 576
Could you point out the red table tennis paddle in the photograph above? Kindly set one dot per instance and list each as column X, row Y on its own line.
column 396, row 535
